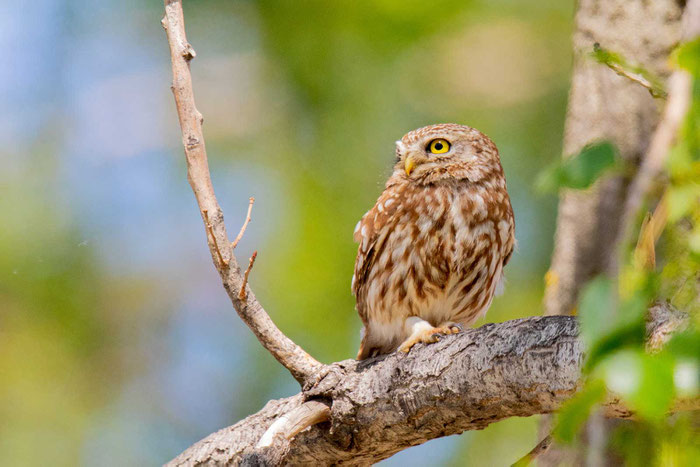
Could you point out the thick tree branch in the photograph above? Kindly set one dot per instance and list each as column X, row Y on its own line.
column 381, row 406
column 302, row 366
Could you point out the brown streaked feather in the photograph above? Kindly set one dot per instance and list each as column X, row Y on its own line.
column 435, row 243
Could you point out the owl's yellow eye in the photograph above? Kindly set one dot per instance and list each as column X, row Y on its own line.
column 439, row 146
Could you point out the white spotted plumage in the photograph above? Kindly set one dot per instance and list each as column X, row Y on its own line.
column 435, row 243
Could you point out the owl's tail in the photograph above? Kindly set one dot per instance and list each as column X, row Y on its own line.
column 364, row 351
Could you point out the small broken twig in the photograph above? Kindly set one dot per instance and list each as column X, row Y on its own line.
column 243, row 294
column 541, row 448
column 245, row 224
column 210, row 231
column 289, row 425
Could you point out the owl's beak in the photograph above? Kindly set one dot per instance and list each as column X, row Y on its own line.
column 409, row 164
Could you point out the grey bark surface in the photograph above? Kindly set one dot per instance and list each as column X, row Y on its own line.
column 606, row 106
column 381, row 406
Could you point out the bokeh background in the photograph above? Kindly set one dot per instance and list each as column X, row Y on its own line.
column 118, row 345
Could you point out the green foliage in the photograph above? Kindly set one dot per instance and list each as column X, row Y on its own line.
column 687, row 56
column 580, row 171
column 612, row 310
column 574, row 413
column 594, row 310
column 644, row 381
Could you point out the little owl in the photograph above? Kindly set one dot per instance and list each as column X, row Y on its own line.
column 433, row 247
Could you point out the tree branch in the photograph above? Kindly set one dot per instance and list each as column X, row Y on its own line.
column 378, row 407
column 301, row 365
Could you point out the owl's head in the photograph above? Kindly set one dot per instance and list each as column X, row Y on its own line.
column 446, row 152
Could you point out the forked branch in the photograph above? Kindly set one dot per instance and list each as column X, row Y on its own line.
column 302, row 366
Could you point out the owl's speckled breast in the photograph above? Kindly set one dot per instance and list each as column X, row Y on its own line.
column 434, row 245
column 437, row 261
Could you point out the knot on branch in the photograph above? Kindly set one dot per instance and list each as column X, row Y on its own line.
column 188, row 53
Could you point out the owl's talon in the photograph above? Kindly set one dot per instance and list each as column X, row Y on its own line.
column 451, row 327
column 423, row 332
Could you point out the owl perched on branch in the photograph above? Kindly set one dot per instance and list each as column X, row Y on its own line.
column 433, row 247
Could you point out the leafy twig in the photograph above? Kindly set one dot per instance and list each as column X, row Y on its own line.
column 635, row 73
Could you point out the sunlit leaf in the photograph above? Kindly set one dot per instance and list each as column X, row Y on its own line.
column 687, row 56
column 575, row 411
column 628, row 335
column 623, row 372
column 609, row 324
column 581, row 171
column 646, row 382
column 686, row 377
column 682, row 199
column 653, row 399
column 684, row 344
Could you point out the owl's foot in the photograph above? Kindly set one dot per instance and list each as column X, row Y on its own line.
column 452, row 327
column 422, row 331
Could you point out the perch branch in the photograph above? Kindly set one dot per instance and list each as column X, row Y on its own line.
column 301, row 365
column 381, row 406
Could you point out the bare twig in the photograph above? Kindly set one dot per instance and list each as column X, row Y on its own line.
column 303, row 367
column 537, row 451
column 245, row 224
column 242, row 294
column 210, row 231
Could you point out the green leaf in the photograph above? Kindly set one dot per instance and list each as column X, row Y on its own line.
column 628, row 335
column 575, row 411
column 687, row 56
column 644, row 381
column 595, row 310
column 608, row 325
column 682, row 199
column 581, row 171
column 684, row 344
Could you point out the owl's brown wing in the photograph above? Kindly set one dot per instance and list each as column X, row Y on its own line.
column 371, row 233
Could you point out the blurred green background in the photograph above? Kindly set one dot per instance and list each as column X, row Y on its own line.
column 118, row 345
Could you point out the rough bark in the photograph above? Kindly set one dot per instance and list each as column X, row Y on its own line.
column 381, row 406
column 604, row 105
